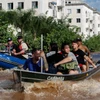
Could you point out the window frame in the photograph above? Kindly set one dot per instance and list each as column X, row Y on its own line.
column 35, row 4
column 78, row 11
column 21, row 5
column 78, row 20
column 10, row 6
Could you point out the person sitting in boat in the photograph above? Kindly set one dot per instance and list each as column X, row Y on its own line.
column 81, row 56
column 10, row 46
column 69, row 64
column 84, row 49
column 22, row 49
column 53, row 57
column 37, row 61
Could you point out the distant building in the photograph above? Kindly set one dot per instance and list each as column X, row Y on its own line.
column 83, row 16
column 78, row 13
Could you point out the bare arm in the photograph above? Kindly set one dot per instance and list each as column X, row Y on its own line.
column 21, row 52
column 87, row 50
column 90, row 61
column 45, row 60
column 65, row 60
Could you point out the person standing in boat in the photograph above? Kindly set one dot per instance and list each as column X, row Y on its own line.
column 84, row 49
column 69, row 64
column 35, row 63
column 10, row 46
column 22, row 49
column 81, row 56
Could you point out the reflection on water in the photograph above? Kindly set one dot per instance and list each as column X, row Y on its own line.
column 95, row 56
column 55, row 90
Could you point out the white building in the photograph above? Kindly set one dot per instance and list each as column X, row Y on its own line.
column 40, row 6
column 83, row 16
column 78, row 12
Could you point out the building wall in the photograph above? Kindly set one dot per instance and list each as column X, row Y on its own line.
column 89, row 19
column 96, row 26
column 86, row 16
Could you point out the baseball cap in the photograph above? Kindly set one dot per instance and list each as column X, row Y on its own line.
column 19, row 37
column 9, row 39
column 78, row 39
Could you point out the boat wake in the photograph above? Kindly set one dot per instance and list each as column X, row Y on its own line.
column 55, row 90
column 87, row 89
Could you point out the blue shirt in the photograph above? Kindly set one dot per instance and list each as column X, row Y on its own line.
column 32, row 66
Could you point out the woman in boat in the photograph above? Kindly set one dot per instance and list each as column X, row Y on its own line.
column 81, row 57
column 35, row 63
column 69, row 64
column 53, row 57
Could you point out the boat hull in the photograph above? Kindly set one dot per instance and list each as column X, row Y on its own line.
column 29, row 76
column 7, row 61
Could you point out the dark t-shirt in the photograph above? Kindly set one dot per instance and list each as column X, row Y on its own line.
column 10, row 48
column 80, row 56
column 54, row 58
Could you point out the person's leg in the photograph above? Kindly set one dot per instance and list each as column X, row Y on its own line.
column 87, row 65
column 59, row 73
column 73, row 72
column 84, row 68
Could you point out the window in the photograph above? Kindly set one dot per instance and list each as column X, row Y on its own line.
column 91, row 21
column 78, row 10
column 90, row 30
column 0, row 6
column 69, row 11
column 87, row 20
column 35, row 4
column 86, row 13
column 10, row 6
column 78, row 20
column 21, row 5
column 87, row 29
column 59, row 9
column 66, row 2
column 70, row 20
column 98, row 25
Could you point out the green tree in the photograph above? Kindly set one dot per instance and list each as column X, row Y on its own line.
column 93, row 43
column 20, row 19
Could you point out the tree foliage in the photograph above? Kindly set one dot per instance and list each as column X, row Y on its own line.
column 32, row 27
column 93, row 42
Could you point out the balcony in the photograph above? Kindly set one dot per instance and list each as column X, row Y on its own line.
column 51, row 4
column 60, row 3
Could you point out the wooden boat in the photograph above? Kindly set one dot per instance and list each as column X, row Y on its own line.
column 30, row 76
column 8, row 62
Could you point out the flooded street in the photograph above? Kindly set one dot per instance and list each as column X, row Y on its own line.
column 49, row 90
column 55, row 90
